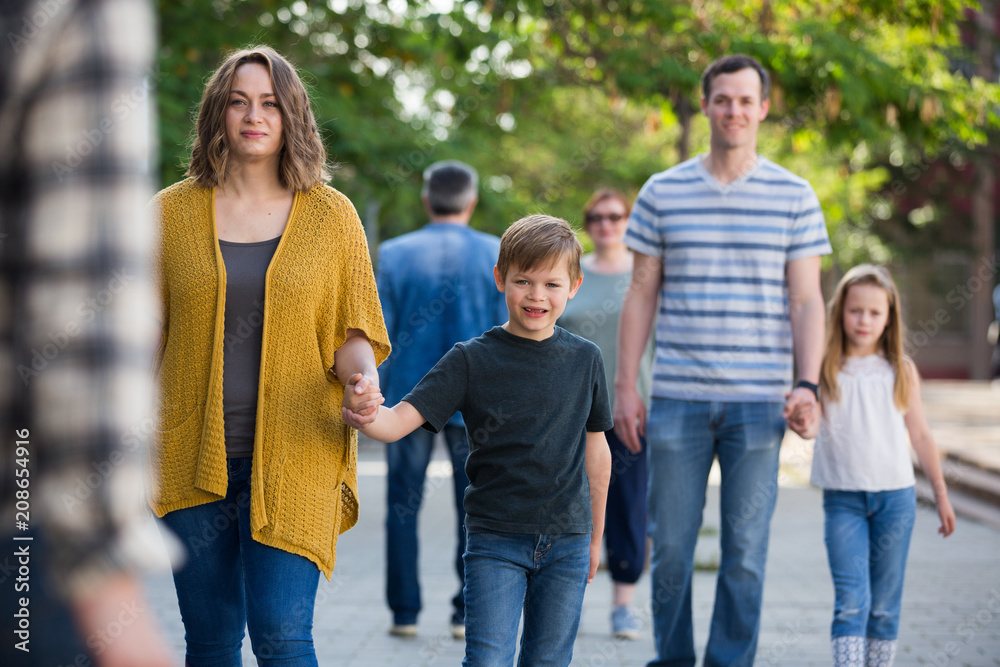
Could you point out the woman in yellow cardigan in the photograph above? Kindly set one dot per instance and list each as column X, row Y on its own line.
column 269, row 305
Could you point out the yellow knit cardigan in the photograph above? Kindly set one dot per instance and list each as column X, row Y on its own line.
column 320, row 283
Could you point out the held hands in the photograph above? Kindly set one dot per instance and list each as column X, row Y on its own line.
column 361, row 400
column 802, row 412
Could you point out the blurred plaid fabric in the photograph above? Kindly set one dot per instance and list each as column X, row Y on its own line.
column 76, row 335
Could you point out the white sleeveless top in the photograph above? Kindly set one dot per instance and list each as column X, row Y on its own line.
column 862, row 443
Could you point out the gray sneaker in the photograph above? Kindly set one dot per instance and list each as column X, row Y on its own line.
column 624, row 624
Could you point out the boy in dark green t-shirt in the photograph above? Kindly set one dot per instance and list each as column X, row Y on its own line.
column 535, row 402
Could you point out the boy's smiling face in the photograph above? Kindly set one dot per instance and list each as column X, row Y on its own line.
column 536, row 297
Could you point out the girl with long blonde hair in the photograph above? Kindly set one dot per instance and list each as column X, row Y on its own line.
column 870, row 396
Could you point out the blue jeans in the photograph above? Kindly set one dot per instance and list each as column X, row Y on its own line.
column 229, row 580
column 867, row 540
column 407, row 461
column 683, row 438
column 544, row 576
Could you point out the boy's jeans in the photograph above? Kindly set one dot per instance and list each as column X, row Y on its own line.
column 683, row 437
column 545, row 575
column 230, row 580
column 867, row 541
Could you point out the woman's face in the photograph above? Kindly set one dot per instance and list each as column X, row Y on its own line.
column 253, row 118
column 606, row 222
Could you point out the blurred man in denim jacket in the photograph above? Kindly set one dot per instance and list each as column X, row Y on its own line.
column 437, row 289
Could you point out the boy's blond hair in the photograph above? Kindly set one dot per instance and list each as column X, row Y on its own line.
column 537, row 241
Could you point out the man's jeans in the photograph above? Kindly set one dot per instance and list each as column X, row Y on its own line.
column 867, row 541
column 543, row 575
column 229, row 580
column 683, row 438
column 407, row 461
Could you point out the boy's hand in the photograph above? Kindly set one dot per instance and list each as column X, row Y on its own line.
column 595, row 560
column 361, row 400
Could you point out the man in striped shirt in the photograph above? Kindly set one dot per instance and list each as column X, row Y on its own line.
column 727, row 256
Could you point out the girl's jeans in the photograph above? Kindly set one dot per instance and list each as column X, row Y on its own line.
column 867, row 541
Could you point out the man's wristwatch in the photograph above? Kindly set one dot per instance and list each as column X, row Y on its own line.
column 814, row 388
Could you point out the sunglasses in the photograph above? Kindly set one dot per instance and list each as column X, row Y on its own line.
column 610, row 217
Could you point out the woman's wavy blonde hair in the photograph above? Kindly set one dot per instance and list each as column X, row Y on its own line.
column 302, row 163
column 890, row 344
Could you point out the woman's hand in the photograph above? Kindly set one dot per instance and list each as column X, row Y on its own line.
column 361, row 400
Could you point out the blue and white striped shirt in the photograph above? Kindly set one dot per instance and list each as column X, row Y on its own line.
column 723, row 333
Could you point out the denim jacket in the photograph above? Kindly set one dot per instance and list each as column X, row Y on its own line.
column 437, row 289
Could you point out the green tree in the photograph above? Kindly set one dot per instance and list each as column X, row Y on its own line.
column 858, row 87
column 549, row 98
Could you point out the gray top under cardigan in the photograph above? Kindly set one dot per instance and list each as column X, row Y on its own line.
column 246, row 268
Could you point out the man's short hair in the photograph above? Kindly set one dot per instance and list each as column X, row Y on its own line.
column 734, row 63
column 538, row 241
column 449, row 186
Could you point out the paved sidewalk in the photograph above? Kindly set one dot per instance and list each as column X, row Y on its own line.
column 951, row 605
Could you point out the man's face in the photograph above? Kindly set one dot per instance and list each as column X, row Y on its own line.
column 734, row 109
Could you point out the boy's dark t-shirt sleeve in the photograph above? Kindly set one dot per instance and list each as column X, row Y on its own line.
column 441, row 392
column 600, row 409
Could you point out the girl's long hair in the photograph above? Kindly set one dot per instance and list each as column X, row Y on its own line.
column 890, row 344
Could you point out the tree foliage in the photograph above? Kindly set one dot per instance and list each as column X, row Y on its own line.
column 552, row 98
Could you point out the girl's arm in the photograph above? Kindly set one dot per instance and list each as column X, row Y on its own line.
column 927, row 453
column 386, row 424
column 598, row 464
